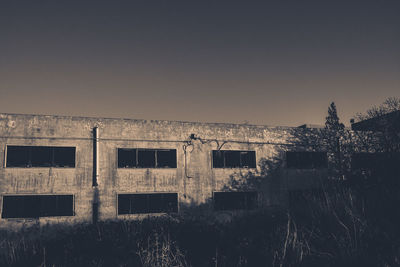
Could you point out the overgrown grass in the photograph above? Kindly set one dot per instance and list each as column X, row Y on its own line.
column 333, row 227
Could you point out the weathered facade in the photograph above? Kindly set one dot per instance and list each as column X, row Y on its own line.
column 88, row 169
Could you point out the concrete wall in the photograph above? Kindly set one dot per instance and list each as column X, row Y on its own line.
column 269, row 143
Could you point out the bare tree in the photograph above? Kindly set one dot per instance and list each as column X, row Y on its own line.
column 391, row 104
column 385, row 120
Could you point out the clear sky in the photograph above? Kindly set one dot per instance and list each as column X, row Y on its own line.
column 264, row 62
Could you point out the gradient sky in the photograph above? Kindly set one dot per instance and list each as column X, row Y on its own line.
column 264, row 62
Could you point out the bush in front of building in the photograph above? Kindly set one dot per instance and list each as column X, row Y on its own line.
column 328, row 227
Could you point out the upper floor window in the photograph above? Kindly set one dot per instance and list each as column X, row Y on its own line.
column 146, row 158
column 306, row 160
column 34, row 206
column 234, row 159
column 40, row 156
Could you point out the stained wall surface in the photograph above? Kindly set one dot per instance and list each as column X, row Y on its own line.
column 194, row 179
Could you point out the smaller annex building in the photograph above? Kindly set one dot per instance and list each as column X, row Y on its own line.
column 79, row 169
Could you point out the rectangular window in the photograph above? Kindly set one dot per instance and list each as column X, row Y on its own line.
column 146, row 158
column 166, row 158
column 234, row 159
column 34, row 206
column 147, row 203
column 64, row 156
column 374, row 161
column 364, row 161
column 235, row 200
column 301, row 198
column 40, row 156
column 306, row 160
column 126, row 158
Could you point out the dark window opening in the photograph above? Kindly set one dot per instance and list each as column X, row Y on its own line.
column 35, row 206
column 306, row 160
column 248, row 159
column 147, row 203
column 64, row 157
column 301, row 198
column 18, row 156
column 218, row 159
column 374, row 161
column 126, row 158
column 365, row 161
column 234, row 159
column 124, row 204
column 40, row 156
column 235, row 200
column 146, row 158
column 166, row 158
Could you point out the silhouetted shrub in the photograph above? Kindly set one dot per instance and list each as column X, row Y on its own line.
column 333, row 226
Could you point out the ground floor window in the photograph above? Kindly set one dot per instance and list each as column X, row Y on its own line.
column 301, row 198
column 235, row 200
column 147, row 203
column 34, row 206
column 374, row 161
column 306, row 160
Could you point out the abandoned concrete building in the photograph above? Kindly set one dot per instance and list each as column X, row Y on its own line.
column 79, row 169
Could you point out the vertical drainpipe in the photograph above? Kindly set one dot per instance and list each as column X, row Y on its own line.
column 95, row 202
